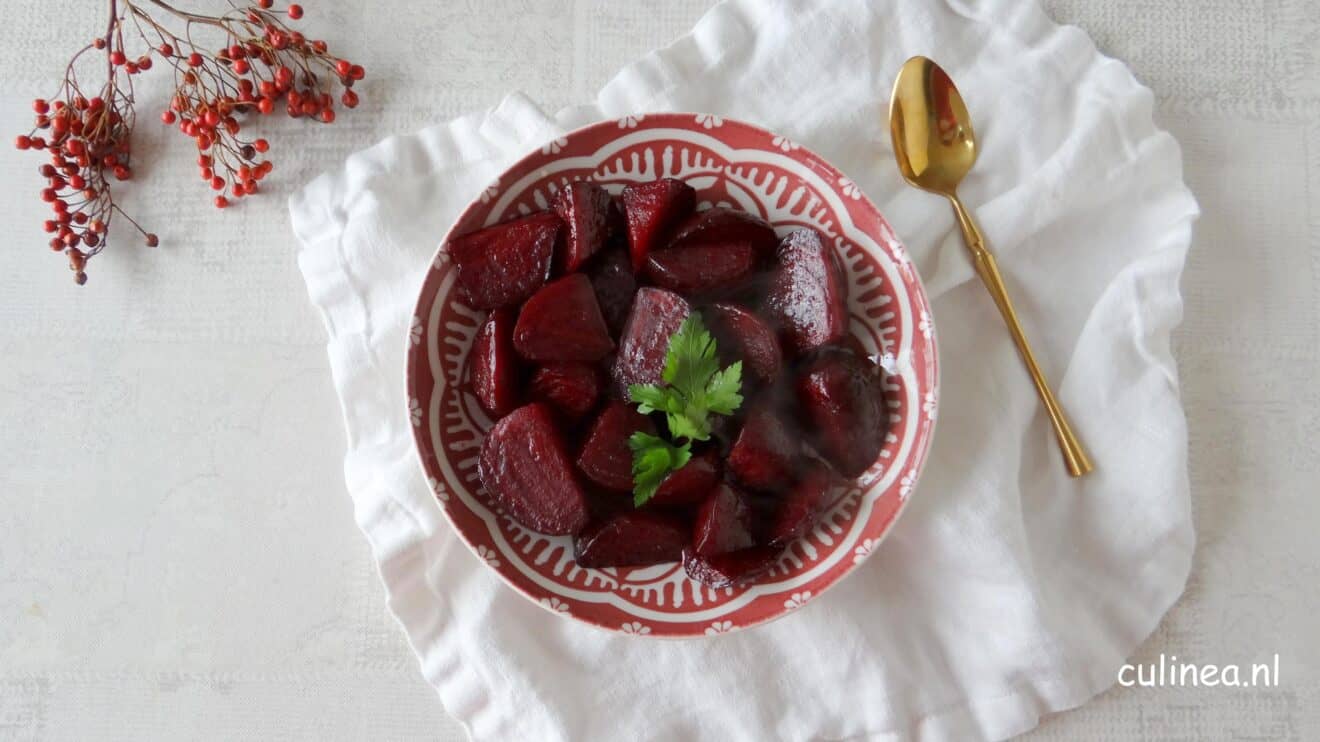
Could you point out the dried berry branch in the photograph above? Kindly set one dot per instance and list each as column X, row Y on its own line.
column 261, row 63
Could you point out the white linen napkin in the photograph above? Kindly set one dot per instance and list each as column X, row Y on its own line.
column 1007, row 590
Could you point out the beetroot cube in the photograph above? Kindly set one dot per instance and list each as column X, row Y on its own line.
column 606, row 457
column 656, row 315
column 525, row 470
column 724, row 523
column 585, row 208
column 652, row 211
column 562, row 322
column 493, row 365
column 840, row 394
column 807, row 297
column 503, row 265
column 631, row 539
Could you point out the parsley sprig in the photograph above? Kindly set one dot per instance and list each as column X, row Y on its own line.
column 695, row 388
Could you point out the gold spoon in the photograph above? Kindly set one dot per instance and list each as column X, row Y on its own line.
column 936, row 147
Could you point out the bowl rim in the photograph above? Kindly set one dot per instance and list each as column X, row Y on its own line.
column 919, row 460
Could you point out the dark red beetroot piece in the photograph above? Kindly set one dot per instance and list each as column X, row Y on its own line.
column 652, row 211
column 841, row 397
column 632, row 539
column 700, row 268
column 807, row 297
column 570, row 388
column 503, row 265
column 724, row 523
column 797, row 510
column 494, row 366
column 722, row 224
column 525, row 470
column 743, row 336
column 764, row 456
column 733, row 568
column 562, row 322
column 612, row 278
column 606, row 457
column 690, row 484
column 585, row 209
column 656, row 315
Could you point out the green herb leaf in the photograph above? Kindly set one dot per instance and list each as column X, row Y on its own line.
column 723, row 391
column 695, row 388
column 653, row 459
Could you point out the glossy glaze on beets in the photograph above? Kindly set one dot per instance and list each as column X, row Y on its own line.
column 525, row 469
column 505, row 264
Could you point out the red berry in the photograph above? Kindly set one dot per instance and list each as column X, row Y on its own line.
column 357, row 72
column 217, row 183
column 295, row 11
column 117, row 57
column 283, row 75
column 319, row 46
column 344, row 67
column 166, row 49
column 328, row 115
column 77, row 182
column 250, row 185
column 168, row 117
column 238, row 190
column 50, row 225
column 266, row 105
column 38, row 142
column 207, row 173
column 261, row 144
column 144, row 62
column 90, row 238
column 40, row 105
column 221, row 202
column 48, row 195
column 264, row 3
column 80, row 218
column 349, row 98
column 23, row 141
column 309, row 106
column 152, row 240
column 194, row 60
column 240, row 66
column 122, row 172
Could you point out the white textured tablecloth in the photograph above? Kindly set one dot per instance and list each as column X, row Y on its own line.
column 177, row 558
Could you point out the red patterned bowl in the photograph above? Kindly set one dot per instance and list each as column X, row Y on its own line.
column 728, row 163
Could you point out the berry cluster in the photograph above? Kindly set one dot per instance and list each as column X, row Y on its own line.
column 256, row 65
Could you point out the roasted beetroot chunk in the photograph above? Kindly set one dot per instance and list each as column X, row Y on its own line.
column 690, row 484
column 606, row 458
column 612, row 278
column 764, row 456
column 807, row 297
column 570, row 388
column 796, row 512
column 585, row 208
column 733, row 568
column 701, row 268
column 562, row 322
column 721, row 224
column 743, row 336
column 652, row 211
column 494, row 366
column 656, row 315
column 525, row 470
column 840, row 395
column 724, row 523
column 632, row 539
column 505, row 264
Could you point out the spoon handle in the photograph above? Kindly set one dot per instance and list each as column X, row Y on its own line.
column 987, row 268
